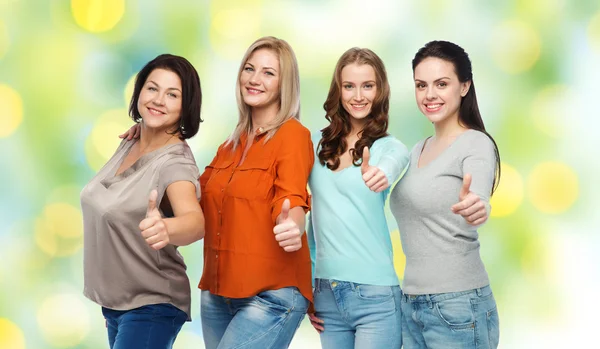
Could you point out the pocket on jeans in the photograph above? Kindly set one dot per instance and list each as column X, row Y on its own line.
column 493, row 326
column 374, row 292
column 278, row 301
column 456, row 313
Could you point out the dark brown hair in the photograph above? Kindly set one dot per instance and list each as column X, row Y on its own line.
column 191, row 94
column 333, row 137
column 468, row 113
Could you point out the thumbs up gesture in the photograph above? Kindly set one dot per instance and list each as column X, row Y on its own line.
column 470, row 205
column 374, row 178
column 153, row 227
column 287, row 232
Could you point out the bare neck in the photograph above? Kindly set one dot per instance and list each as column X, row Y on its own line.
column 152, row 139
column 448, row 129
column 356, row 128
column 261, row 117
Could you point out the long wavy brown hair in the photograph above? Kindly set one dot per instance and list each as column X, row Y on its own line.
column 333, row 137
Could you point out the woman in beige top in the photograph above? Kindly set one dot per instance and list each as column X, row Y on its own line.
column 141, row 206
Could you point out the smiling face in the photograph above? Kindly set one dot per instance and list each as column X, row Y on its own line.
column 159, row 103
column 438, row 90
column 259, row 79
column 359, row 89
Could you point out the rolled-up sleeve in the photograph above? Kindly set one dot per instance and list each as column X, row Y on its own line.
column 294, row 162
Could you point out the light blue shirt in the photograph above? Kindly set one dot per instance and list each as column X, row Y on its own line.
column 348, row 235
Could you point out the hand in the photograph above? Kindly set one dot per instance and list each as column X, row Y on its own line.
column 471, row 207
column 317, row 323
column 374, row 178
column 286, row 231
column 153, row 227
column 133, row 132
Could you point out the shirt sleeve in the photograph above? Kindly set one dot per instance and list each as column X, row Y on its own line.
column 394, row 159
column 177, row 169
column 480, row 162
column 293, row 164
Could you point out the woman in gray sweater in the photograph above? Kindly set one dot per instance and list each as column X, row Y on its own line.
column 447, row 301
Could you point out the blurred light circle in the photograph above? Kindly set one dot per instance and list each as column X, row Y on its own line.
column 58, row 231
column 550, row 108
column 4, row 39
column 12, row 110
column 515, row 46
column 11, row 335
column 104, row 138
column 509, row 194
column 64, row 219
column 44, row 237
column 97, row 15
column 63, row 320
column 233, row 29
column 553, row 187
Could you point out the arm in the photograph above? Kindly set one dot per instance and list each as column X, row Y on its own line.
column 479, row 168
column 188, row 224
column 186, row 227
column 394, row 160
column 392, row 163
column 290, row 202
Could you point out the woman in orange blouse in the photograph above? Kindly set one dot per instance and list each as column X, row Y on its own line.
column 256, row 284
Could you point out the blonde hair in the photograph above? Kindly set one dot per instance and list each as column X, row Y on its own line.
column 289, row 89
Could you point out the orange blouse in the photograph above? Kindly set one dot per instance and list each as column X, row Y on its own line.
column 242, row 202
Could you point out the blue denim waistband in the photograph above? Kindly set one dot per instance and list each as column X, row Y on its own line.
column 332, row 283
column 438, row 297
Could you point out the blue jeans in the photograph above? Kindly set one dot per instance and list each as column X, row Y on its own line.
column 358, row 315
column 152, row 326
column 268, row 320
column 467, row 319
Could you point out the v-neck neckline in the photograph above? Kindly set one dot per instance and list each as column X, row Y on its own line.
column 441, row 154
column 113, row 177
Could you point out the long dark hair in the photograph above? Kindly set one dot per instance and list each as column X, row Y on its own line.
column 333, row 142
column 468, row 113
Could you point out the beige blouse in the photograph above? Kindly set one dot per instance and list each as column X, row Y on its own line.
column 121, row 271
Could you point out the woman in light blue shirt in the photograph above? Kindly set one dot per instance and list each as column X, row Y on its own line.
column 357, row 294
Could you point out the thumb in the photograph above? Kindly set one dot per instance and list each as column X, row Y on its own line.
column 285, row 209
column 466, row 186
column 152, row 210
column 365, row 160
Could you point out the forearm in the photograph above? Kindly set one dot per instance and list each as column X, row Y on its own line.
column 185, row 229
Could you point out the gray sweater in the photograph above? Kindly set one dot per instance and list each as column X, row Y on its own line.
column 442, row 250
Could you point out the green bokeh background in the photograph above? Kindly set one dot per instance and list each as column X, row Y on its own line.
column 65, row 80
